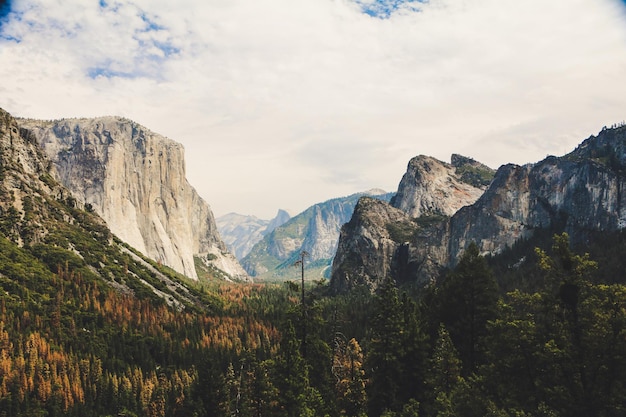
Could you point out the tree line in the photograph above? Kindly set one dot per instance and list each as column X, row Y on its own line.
column 555, row 346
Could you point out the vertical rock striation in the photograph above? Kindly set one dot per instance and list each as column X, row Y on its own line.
column 135, row 180
column 407, row 239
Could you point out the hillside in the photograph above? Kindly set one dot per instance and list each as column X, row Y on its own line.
column 89, row 327
column 86, row 321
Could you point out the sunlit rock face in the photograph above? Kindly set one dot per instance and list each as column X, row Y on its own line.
column 580, row 193
column 407, row 239
column 431, row 186
column 135, row 179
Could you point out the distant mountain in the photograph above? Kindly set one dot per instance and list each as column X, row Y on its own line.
column 241, row 232
column 581, row 193
column 315, row 230
column 135, row 180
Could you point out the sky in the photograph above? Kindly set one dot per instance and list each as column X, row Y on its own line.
column 282, row 104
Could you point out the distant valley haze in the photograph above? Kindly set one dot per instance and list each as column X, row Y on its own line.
column 282, row 104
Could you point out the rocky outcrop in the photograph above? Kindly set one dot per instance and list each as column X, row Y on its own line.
column 241, row 232
column 24, row 180
column 580, row 193
column 378, row 242
column 135, row 180
column 430, row 186
column 407, row 238
column 315, row 231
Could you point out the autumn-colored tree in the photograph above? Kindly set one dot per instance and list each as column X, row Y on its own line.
column 348, row 370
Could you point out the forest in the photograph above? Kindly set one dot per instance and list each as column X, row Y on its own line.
column 492, row 337
column 88, row 327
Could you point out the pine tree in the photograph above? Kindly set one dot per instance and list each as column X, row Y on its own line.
column 291, row 376
column 468, row 300
column 385, row 351
column 444, row 373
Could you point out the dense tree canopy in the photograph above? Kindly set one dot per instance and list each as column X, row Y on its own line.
column 73, row 345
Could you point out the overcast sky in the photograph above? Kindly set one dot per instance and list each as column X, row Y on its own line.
column 287, row 103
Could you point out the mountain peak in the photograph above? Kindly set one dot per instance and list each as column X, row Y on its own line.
column 431, row 186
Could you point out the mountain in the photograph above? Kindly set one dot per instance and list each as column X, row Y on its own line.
column 579, row 193
column 42, row 222
column 403, row 238
column 135, row 180
column 431, row 186
column 315, row 230
column 89, row 326
column 240, row 232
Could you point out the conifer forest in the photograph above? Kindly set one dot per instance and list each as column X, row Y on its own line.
column 487, row 338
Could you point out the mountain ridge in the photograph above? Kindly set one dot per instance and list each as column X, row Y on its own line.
column 578, row 193
column 241, row 232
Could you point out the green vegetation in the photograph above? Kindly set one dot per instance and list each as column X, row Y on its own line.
column 88, row 327
column 402, row 231
column 428, row 220
column 476, row 176
column 83, row 333
column 207, row 271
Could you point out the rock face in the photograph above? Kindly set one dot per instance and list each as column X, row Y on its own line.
column 431, row 186
column 406, row 238
column 241, row 233
column 580, row 193
column 24, row 179
column 315, row 230
column 55, row 232
column 135, row 180
column 377, row 242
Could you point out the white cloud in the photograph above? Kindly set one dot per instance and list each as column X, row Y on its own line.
column 285, row 104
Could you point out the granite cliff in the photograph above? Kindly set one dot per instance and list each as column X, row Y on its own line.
column 241, row 232
column 579, row 193
column 406, row 238
column 24, row 180
column 431, row 186
column 135, row 180
column 315, row 231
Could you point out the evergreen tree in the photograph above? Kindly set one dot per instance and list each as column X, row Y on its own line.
column 443, row 376
column 560, row 350
column 467, row 301
column 319, row 358
column 291, row 377
column 258, row 394
column 385, row 351
column 415, row 352
column 210, row 387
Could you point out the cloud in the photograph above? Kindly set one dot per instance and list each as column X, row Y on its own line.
column 285, row 104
